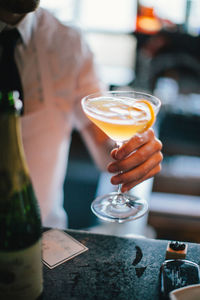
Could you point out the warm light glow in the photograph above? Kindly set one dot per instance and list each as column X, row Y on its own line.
column 148, row 25
column 147, row 22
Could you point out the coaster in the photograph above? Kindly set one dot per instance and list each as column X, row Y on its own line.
column 59, row 247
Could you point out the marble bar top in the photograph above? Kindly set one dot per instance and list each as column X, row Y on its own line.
column 113, row 268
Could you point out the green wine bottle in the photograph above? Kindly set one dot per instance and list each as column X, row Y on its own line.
column 20, row 222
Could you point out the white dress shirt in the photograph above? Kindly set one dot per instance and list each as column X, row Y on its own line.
column 57, row 70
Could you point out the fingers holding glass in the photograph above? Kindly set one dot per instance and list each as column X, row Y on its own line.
column 134, row 143
column 141, row 172
column 135, row 157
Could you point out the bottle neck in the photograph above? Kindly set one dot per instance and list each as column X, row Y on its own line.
column 13, row 168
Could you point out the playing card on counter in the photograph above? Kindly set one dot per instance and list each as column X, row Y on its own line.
column 58, row 247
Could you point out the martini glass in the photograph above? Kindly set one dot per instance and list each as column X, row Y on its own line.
column 121, row 115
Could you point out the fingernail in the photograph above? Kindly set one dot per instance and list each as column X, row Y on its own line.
column 115, row 180
column 124, row 189
column 112, row 168
column 119, row 155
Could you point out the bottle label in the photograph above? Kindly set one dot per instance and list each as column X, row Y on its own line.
column 21, row 273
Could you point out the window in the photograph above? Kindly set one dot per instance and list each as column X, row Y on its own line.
column 97, row 15
column 107, row 24
column 120, row 15
column 64, row 11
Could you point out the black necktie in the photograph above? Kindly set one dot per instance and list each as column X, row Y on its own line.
column 9, row 75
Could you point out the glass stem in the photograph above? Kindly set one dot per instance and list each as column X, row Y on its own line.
column 119, row 199
column 119, row 189
column 119, row 144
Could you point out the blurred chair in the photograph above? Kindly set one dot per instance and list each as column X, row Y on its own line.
column 168, row 65
column 174, row 210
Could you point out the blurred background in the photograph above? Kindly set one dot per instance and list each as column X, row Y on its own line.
column 152, row 46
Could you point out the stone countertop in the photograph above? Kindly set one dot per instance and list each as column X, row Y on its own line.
column 112, row 268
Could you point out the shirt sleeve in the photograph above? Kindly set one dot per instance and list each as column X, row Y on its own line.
column 88, row 82
column 73, row 70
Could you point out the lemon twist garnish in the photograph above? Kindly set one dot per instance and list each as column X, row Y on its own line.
column 151, row 110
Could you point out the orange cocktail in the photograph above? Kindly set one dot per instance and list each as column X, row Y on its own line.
column 121, row 119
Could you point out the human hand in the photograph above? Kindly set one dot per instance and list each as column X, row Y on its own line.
column 137, row 160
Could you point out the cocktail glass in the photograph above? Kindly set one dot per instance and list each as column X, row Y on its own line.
column 120, row 115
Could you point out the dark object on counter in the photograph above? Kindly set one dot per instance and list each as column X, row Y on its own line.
column 177, row 273
column 176, row 246
column 176, row 250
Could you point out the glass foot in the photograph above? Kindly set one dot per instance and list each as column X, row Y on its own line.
column 110, row 208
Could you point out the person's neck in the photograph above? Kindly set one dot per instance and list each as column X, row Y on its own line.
column 10, row 18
